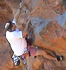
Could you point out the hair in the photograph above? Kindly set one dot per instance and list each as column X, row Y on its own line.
column 9, row 28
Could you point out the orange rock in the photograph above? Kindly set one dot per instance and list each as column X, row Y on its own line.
column 51, row 37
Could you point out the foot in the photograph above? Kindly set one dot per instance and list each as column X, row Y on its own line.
column 59, row 58
column 24, row 61
column 16, row 60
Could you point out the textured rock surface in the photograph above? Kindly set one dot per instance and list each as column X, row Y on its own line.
column 48, row 19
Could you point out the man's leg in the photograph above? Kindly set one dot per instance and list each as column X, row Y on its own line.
column 44, row 53
column 24, row 56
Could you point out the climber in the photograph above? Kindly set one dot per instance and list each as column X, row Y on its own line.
column 17, row 41
column 15, row 37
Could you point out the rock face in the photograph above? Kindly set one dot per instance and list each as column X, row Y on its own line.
column 48, row 26
column 5, row 12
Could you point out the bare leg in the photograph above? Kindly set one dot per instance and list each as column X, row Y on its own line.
column 41, row 52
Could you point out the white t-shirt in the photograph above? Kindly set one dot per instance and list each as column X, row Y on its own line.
column 17, row 42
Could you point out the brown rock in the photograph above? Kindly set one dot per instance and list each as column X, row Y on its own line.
column 48, row 34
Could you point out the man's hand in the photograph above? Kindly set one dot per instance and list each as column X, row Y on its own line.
column 25, row 33
column 21, row 4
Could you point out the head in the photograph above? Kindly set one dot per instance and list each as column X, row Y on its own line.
column 10, row 26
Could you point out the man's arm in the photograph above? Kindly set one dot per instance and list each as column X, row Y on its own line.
column 25, row 31
column 16, row 16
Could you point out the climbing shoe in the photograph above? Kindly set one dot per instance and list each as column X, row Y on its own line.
column 16, row 60
column 59, row 58
column 24, row 61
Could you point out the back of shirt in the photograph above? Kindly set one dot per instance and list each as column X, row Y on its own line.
column 17, row 42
